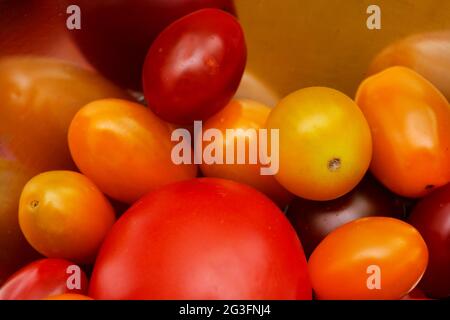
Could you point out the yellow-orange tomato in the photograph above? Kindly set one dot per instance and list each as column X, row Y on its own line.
column 244, row 114
column 69, row 296
column 410, row 123
column 325, row 144
column 63, row 215
column 369, row 258
column 124, row 148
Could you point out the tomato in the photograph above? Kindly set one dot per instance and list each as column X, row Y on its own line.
column 244, row 114
column 347, row 262
column 428, row 54
column 410, row 123
column 40, row 279
column 314, row 220
column 69, row 296
column 202, row 239
column 194, row 67
column 431, row 217
column 38, row 98
column 322, row 156
column 416, row 294
column 124, row 149
column 63, row 215
column 115, row 35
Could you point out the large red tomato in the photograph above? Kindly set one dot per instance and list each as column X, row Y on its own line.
column 202, row 239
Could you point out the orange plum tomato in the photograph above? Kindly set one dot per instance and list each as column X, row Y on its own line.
column 325, row 145
column 244, row 114
column 206, row 238
column 63, row 215
column 43, row 278
column 38, row 97
column 369, row 258
column 124, row 149
column 194, row 67
column 410, row 123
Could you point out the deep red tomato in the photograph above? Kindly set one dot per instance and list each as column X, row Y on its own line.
column 194, row 67
column 431, row 217
column 202, row 239
column 41, row 279
column 314, row 220
column 115, row 35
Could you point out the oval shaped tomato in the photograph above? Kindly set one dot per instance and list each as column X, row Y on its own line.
column 243, row 114
column 43, row 278
column 63, row 215
column 124, row 149
column 314, row 220
column 115, row 35
column 202, row 239
column 369, row 258
column 194, row 67
column 431, row 217
column 324, row 146
column 410, row 123
column 38, row 98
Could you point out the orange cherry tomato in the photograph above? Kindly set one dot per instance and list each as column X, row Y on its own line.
column 124, row 148
column 63, row 215
column 325, row 144
column 410, row 123
column 369, row 258
column 69, row 296
column 244, row 114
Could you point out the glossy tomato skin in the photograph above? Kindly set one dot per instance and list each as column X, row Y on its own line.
column 202, row 239
column 39, row 97
column 40, row 279
column 194, row 67
column 342, row 265
column 64, row 215
column 431, row 217
column 321, row 156
column 410, row 123
column 124, row 149
column 116, row 35
column 314, row 220
column 244, row 114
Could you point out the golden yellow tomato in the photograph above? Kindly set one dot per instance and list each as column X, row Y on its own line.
column 325, row 143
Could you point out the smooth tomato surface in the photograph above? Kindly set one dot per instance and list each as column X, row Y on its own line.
column 340, row 267
column 194, row 67
column 410, row 123
column 40, row 279
column 202, row 239
column 124, row 149
column 63, row 215
column 325, row 144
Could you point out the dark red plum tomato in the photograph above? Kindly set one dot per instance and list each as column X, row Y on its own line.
column 194, row 67
column 431, row 217
column 202, row 239
column 314, row 220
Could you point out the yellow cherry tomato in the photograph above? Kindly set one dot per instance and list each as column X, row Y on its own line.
column 325, row 143
column 63, row 215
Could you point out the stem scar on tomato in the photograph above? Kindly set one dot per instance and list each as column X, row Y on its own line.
column 34, row 204
column 334, row 164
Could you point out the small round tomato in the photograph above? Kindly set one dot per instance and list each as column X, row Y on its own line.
column 124, row 148
column 410, row 123
column 202, row 239
column 43, row 278
column 244, row 114
column 194, row 67
column 324, row 143
column 314, row 220
column 431, row 217
column 369, row 258
column 63, row 215
column 68, row 296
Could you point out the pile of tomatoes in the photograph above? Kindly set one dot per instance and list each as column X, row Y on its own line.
column 87, row 179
